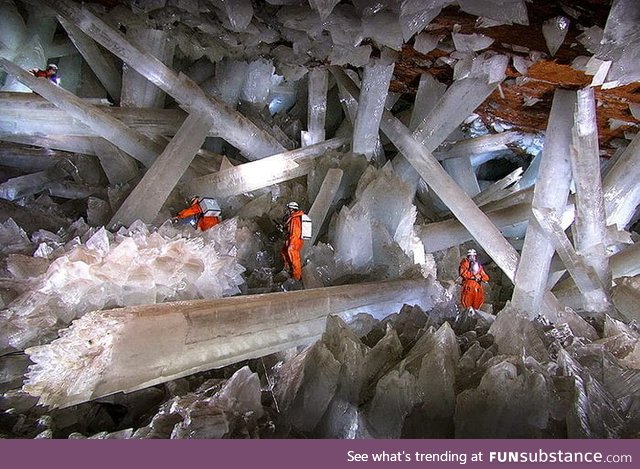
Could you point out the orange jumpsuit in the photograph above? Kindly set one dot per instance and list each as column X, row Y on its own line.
column 203, row 223
column 472, row 289
column 293, row 244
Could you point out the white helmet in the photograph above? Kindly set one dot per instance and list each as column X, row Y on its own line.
column 52, row 67
column 293, row 205
column 472, row 252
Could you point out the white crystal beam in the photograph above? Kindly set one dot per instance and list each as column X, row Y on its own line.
column 476, row 222
column 104, row 69
column 148, row 197
column 231, row 125
column 262, row 173
column 590, row 223
column 429, row 93
column 375, row 83
column 621, row 188
column 126, row 349
column 317, row 106
column 499, row 189
column 551, row 192
column 117, row 165
column 584, row 275
column 135, row 144
column 322, row 203
column 478, row 145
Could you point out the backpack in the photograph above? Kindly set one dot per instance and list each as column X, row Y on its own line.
column 209, row 207
column 307, row 227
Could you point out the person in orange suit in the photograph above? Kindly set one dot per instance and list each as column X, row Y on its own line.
column 294, row 242
column 473, row 275
column 194, row 213
column 51, row 73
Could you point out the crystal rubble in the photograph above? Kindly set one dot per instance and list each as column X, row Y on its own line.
column 147, row 198
column 113, row 130
column 265, row 172
column 104, row 69
column 232, row 126
column 551, row 192
column 375, row 82
column 194, row 336
column 317, row 107
column 430, row 170
column 133, row 267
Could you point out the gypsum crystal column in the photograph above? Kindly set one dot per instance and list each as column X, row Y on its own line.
column 150, row 194
column 317, row 107
column 590, row 235
column 429, row 93
column 230, row 125
column 621, row 188
column 137, row 91
column 375, row 83
column 476, row 222
column 104, row 69
column 254, row 175
column 322, row 203
column 135, row 144
column 551, row 192
column 126, row 349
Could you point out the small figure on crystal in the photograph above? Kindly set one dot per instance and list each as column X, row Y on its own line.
column 202, row 213
column 298, row 228
column 472, row 274
column 51, row 73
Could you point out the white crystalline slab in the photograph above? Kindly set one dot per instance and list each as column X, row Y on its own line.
column 109, row 76
column 460, row 100
column 625, row 69
column 322, row 203
column 148, row 197
column 258, row 82
column 323, row 7
column 415, row 15
column 384, row 28
column 599, row 69
column 551, row 192
column 425, row 42
column 317, row 106
column 590, row 235
column 29, row 55
column 229, row 80
column 591, row 38
column 478, row 145
column 471, row 42
column 194, row 336
column 262, row 173
column 375, row 82
column 430, row 90
column 583, row 274
column 432, row 172
column 521, row 64
column 137, row 91
column 445, row 234
column 621, row 29
column 356, row 56
column 117, row 165
column 621, row 190
column 506, row 11
column 461, row 170
column 498, row 190
column 493, row 66
column 231, row 126
column 135, row 144
column 554, row 31
column 239, row 13
column 22, row 186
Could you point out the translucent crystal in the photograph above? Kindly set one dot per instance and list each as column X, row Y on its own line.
column 239, row 13
column 508, row 11
column 554, row 31
column 384, row 28
column 471, row 42
column 323, row 7
column 415, row 15
column 425, row 42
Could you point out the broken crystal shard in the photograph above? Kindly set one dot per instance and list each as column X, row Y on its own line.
column 396, row 394
column 199, row 345
column 471, row 42
column 554, row 31
column 425, row 42
column 415, row 15
column 515, row 334
column 22, row 186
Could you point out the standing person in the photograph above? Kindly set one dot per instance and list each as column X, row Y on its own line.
column 473, row 275
column 201, row 213
column 294, row 242
column 51, row 73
